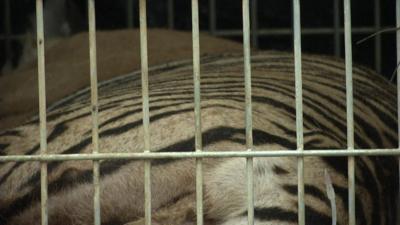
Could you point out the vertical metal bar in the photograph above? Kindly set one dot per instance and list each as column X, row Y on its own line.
column 7, row 28
column 378, row 38
column 336, row 24
column 94, row 109
column 299, row 108
column 197, row 110
column 42, row 109
column 398, row 96
column 129, row 14
column 349, row 101
column 249, row 120
column 145, row 99
column 213, row 17
column 254, row 23
column 170, row 10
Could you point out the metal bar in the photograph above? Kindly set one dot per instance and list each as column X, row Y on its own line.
column 254, row 23
column 197, row 110
column 145, row 97
column 305, row 31
column 269, row 32
column 249, row 120
column 349, row 107
column 129, row 14
column 170, row 10
column 299, row 108
column 187, row 153
column 12, row 37
column 42, row 109
column 213, row 17
column 7, row 29
column 94, row 109
column 336, row 24
column 378, row 38
column 398, row 97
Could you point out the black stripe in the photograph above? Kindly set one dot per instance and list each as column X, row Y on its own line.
column 34, row 179
column 389, row 121
column 393, row 140
column 373, row 188
column 274, row 213
column 13, row 133
column 132, row 112
column 17, row 165
column 58, row 130
column 315, row 217
column 71, row 100
column 114, row 221
column 3, row 147
column 309, row 190
column 279, row 214
column 129, row 126
column 54, row 116
column 371, row 134
column 279, row 170
column 344, row 195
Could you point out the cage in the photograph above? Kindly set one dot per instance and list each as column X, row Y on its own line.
column 248, row 29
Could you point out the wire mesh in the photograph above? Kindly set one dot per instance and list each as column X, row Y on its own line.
column 147, row 155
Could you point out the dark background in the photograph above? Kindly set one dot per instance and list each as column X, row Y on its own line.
column 271, row 14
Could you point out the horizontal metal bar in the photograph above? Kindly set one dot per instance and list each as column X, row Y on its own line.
column 264, row 32
column 12, row 37
column 304, row 31
column 213, row 154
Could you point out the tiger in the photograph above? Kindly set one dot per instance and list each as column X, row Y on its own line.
column 70, row 183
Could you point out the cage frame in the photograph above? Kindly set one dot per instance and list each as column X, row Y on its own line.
column 249, row 153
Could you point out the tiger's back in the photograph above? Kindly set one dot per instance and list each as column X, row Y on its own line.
column 172, row 129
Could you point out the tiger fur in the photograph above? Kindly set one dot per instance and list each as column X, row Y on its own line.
column 172, row 130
